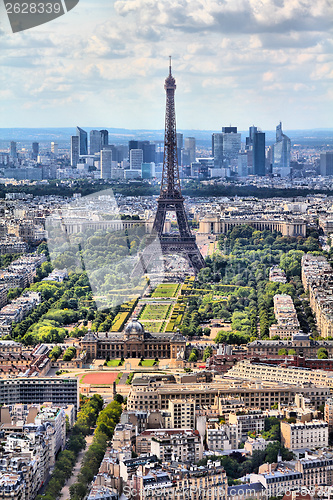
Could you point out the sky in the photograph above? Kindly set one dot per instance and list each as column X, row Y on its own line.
column 236, row 62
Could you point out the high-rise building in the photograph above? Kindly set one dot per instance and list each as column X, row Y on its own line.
column 83, row 141
column 106, row 164
column 13, row 151
column 74, row 150
column 326, row 163
column 231, row 144
column 95, row 142
column 190, row 148
column 104, row 138
column 54, row 149
column 217, row 150
column 180, row 145
column 259, row 159
column 148, row 149
column 136, row 159
column 35, row 150
column 281, row 153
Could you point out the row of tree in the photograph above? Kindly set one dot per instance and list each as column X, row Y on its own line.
column 66, row 459
column 106, row 422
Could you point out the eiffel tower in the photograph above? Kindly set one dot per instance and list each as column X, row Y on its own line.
column 171, row 199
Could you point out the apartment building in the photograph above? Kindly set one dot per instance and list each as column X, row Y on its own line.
column 277, row 479
column 316, row 469
column 300, row 435
column 247, row 422
column 317, row 279
column 169, row 445
column 179, row 483
column 222, row 437
column 286, row 317
column 247, row 369
column 182, row 414
column 328, row 413
column 301, row 343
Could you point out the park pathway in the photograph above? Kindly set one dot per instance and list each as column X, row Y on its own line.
column 64, row 495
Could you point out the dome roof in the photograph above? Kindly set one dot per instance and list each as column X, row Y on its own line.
column 134, row 326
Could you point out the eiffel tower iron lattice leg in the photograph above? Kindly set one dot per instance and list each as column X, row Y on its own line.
column 170, row 200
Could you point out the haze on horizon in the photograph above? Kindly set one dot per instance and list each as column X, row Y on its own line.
column 238, row 62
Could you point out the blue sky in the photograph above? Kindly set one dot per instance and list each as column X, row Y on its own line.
column 238, row 62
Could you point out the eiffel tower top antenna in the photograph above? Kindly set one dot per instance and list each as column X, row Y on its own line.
column 169, row 65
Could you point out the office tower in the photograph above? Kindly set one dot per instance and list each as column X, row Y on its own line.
column 99, row 139
column 35, row 150
column 106, row 164
column 229, row 130
column 281, row 153
column 104, row 138
column 133, row 145
column 13, row 151
column 83, row 141
column 326, row 163
column 148, row 149
column 147, row 170
column 54, row 149
column 242, row 165
column 60, row 391
column 231, row 144
column 259, row 159
column 95, row 142
column 136, row 159
column 180, row 145
column 74, row 150
column 190, row 148
column 217, row 150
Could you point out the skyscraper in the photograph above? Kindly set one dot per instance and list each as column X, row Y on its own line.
column 106, row 164
column 180, row 145
column 74, row 150
column 98, row 140
column 13, row 151
column 190, row 148
column 217, row 150
column 259, row 159
column 83, row 141
column 231, row 144
column 136, row 159
column 104, row 138
column 281, row 153
column 54, row 149
column 35, row 150
column 95, row 142
column 326, row 163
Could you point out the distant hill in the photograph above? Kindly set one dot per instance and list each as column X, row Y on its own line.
column 315, row 137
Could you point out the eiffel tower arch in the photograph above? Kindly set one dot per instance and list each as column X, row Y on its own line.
column 171, row 200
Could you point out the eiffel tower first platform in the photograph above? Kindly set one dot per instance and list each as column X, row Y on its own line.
column 170, row 200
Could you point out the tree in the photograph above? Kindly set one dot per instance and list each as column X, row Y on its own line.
column 322, row 353
column 282, row 352
column 119, row 398
column 193, row 356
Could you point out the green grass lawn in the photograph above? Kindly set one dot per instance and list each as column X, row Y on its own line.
column 155, row 312
column 148, row 362
column 113, row 362
column 153, row 326
column 166, row 290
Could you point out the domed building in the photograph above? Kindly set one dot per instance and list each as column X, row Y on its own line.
column 134, row 342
